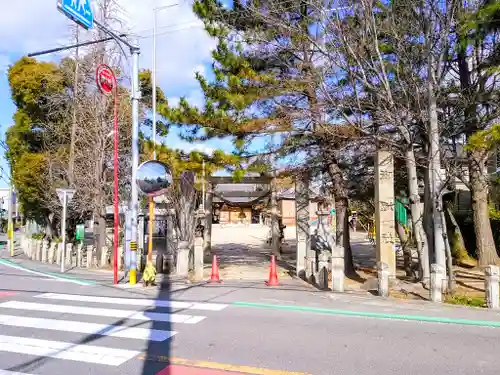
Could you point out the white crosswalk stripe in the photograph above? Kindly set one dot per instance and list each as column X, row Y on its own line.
column 49, row 313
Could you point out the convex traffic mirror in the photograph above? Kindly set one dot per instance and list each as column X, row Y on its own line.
column 153, row 177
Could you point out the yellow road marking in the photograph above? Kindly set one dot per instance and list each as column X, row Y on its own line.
column 219, row 366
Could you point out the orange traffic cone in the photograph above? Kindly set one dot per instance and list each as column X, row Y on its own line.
column 214, row 276
column 273, row 275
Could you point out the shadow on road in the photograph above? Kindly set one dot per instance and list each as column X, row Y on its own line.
column 158, row 353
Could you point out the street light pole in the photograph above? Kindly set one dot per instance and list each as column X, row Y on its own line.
column 153, row 73
column 134, row 201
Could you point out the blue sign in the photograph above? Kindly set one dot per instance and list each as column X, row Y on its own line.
column 79, row 11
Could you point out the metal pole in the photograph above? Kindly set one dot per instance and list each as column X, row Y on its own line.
column 63, row 231
column 135, row 162
column 10, row 224
column 153, row 79
column 116, row 199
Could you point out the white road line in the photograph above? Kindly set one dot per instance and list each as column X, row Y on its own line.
column 7, row 372
column 136, row 302
column 74, row 281
column 112, row 313
column 88, row 328
column 66, row 350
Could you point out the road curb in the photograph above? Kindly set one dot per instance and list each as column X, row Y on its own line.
column 366, row 314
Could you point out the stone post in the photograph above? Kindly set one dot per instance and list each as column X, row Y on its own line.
column 79, row 254
column 52, row 252
column 322, row 279
column 171, row 242
column 120, row 257
column 183, row 259
column 59, row 252
column 90, row 255
column 383, row 279
column 30, row 248
column 324, row 240
column 198, row 258
column 302, row 223
column 140, row 234
column 104, row 256
column 491, row 287
column 39, row 249
column 384, row 209
column 275, row 230
column 436, row 287
column 45, row 251
column 69, row 254
column 207, row 233
column 338, row 275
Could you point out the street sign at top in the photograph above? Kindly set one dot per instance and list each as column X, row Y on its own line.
column 79, row 11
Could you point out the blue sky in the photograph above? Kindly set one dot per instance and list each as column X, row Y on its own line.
column 183, row 48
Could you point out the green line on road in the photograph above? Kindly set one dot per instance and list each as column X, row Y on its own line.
column 415, row 318
column 53, row 275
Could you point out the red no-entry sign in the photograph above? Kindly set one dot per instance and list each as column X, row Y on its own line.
column 105, row 79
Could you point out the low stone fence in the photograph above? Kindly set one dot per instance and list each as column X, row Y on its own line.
column 76, row 255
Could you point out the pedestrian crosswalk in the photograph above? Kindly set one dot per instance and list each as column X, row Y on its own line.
column 32, row 326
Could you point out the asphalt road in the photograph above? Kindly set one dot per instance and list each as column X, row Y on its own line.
column 51, row 327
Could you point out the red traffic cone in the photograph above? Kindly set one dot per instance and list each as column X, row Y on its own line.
column 214, row 276
column 273, row 275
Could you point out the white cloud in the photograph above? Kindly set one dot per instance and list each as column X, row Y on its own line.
column 183, row 46
column 182, row 43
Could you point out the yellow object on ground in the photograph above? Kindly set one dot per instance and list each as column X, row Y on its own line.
column 149, row 275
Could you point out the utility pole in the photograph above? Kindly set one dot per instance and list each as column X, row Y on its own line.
column 134, row 204
column 73, row 125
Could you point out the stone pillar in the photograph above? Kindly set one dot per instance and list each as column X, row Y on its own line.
column 183, row 259
column 383, row 279
column 38, row 254
column 79, row 254
column 437, row 278
column 198, row 258
column 90, row 255
column 322, row 278
column 59, row 252
column 324, row 238
column 302, row 223
column 171, row 244
column 140, row 236
column 338, row 267
column 45, row 250
column 30, row 248
column 120, row 257
column 104, row 256
column 52, row 253
column 207, row 234
column 69, row 254
column 491, row 281
column 275, row 230
column 384, row 210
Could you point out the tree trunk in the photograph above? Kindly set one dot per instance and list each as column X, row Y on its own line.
column 341, row 205
column 49, row 226
column 416, row 216
column 436, row 180
column 427, row 213
column 457, row 243
column 407, row 256
column 485, row 243
column 449, row 258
